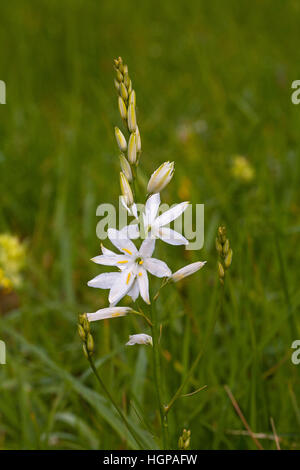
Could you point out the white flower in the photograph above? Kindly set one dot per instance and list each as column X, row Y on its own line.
column 133, row 263
column 111, row 312
column 187, row 270
column 161, row 177
column 156, row 225
column 140, row 338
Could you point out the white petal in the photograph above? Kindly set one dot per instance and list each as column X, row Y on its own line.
column 147, row 247
column 122, row 242
column 131, row 231
column 143, row 282
column 170, row 236
column 157, row 267
column 106, row 251
column 151, row 208
column 104, row 281
column 111, row 260
column 140, row 338
column 187, row 270
column 171, row 214
column 122, row 286
column 134, row 292
column 104, row 313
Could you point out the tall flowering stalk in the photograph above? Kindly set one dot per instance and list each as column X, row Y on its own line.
column 135, row 264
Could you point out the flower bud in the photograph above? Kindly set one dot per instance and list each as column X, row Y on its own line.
column 126, row 167
column 117, row 85
column 126, row 80
column 119, row 76
column 90, row 343
column 131, row 118
column 132, row 148
column 81, row 332
column 221, row 270
column 122, row 108
column 123, row 91
column 228, row 259
column 226, row 247
column 85, row 351
column 126, row 190
column 138, row 140
column 121, row 141
column 161, row 177
column 132, row 98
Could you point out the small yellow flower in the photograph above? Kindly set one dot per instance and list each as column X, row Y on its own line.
column 242, row 170
column 12, row 260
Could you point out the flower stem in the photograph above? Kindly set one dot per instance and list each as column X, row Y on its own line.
column 121, row 414
column 157, row 376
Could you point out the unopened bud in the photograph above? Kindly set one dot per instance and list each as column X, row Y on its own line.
column 81, row 332
column 221, row 270
column 126, row 167
column 126, row 190
column 219, row 246
column 117, row 85
column 228, row 259
column 126, row 80
column 138, row 140
column 123, row 91
column 85, row 351
column 132, row 148
column 226, row 247
column 122, row 108
column 131, row 118
column 121, row 141
column 132, row 98
column 119, row 76
column 90, row 343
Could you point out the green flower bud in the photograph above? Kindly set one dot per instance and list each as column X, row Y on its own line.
column 81, row 332
column 90, row 343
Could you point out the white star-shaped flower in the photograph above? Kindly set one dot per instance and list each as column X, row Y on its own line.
column 133, row 264
column 156, row 226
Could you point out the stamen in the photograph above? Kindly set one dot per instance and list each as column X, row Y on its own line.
column 140, row 274
column 128, row 278
column 127, row 251
column 116, row 314
column 141, row 262
column 123, row 262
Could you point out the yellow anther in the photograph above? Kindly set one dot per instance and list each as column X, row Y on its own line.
column 141, row 262
column 122, row 262
column 116, row 314
column 127, row 251
column 128, row 278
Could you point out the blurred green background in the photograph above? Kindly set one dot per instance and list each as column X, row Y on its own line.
column 213, row 80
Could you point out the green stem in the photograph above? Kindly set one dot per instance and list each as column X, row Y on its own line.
column 157, row 376
column 121, row 414
column 197, row 359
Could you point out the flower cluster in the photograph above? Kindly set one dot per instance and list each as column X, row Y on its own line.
column 12, row 259
column 134, row 265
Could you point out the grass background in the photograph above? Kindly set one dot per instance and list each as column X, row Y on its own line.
column 213, row 79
